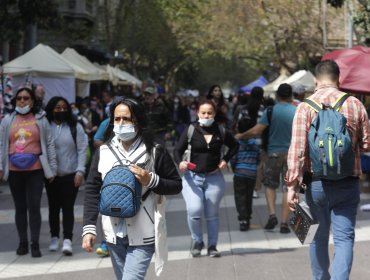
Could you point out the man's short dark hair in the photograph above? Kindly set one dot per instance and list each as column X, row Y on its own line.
column 284, row 91
column 327, row 68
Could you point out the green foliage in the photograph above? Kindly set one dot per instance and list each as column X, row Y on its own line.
column 362, row 22
column 214, row 70
column 142, row 34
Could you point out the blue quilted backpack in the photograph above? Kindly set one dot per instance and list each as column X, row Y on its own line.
column 120, row 195
column 330, row 146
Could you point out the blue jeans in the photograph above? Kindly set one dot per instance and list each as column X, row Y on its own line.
column 333, row 203
column 130, row 262
column 203, row 193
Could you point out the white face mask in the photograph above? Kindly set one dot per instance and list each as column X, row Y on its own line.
column 206, row 122
column 23, row 110
column 125, row 132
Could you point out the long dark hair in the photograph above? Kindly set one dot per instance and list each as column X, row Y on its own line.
column 254, row 102
column 35, row 108
column 210, row 95
column 138, row 116
column 49, row 109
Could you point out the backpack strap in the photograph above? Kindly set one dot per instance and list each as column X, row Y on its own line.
column 189, row 136
column 138, row 157
column 313, row 104
column 190, row 133
column 339, row 102
column 73, row 130
column 269, row 113
column 114, row 153
column 120, row 161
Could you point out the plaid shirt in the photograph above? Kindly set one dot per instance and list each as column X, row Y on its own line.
column 357, row 125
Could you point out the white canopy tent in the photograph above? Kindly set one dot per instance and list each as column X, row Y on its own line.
column 269, row 89
column 116, row 75
column 93, row 73
column 302, row 77
column 44, row 65
column 85, row 71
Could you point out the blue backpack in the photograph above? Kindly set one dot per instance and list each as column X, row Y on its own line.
column 120, row 195
column 330, row 145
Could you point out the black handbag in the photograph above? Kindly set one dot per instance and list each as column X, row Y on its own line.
column 303, row 224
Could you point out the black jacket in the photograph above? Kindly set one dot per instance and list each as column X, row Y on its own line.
column 206, row 156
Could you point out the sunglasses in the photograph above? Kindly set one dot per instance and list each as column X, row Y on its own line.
column 25, row 98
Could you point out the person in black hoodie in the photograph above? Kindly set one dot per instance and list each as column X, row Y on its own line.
column 203, row 182
column 131, row 241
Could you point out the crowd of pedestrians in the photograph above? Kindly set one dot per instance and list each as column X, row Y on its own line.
column 63, row 146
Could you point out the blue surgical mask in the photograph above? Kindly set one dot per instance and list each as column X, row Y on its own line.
column 206, row 122
column 75, row 112
column 23, row 110
column 125, row 132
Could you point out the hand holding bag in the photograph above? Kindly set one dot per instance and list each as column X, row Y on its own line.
column 303, row 224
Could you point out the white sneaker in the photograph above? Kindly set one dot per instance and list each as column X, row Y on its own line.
column 67, row 247
column 255, row 194
column 54, row 244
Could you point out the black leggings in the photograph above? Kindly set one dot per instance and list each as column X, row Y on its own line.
column 62, row 195
column 26, row 188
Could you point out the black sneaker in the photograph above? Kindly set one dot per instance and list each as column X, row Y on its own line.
column 212, row 252
column 284, row 228
column 35, row 250
column 271, row 223
column 197, row 248
column 22, row 248
column 244, row 225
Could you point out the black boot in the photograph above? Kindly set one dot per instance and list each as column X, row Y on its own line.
column 35, row 250
column 22, row 248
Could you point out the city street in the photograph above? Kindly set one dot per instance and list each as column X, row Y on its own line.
column 255, row 254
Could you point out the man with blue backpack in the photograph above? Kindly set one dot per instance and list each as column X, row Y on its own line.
column 329, row 130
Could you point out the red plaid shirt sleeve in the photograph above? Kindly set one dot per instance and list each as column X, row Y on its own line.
column 357, row 124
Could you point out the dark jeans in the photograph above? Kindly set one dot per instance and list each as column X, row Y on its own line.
column 243, row 194
column 62, row 195
column 26, row 188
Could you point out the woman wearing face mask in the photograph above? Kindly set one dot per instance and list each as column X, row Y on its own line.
column 131, row 241
column 204, row 184
column 27, row 156
column 70, row 146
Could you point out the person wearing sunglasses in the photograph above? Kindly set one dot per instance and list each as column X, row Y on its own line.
column 131, row 241
column 27, row 155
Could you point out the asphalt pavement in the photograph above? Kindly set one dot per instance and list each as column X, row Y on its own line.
column 255, row 254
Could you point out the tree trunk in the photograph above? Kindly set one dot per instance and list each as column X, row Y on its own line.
column 30, row 36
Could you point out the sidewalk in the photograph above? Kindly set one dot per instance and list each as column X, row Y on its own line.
column 255, row 254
